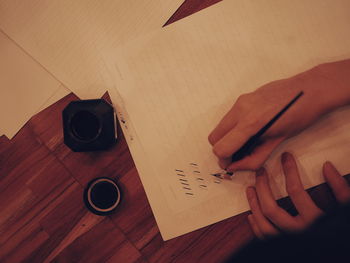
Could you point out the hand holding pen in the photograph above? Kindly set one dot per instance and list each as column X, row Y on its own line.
column 246, row 123
column 253, row 142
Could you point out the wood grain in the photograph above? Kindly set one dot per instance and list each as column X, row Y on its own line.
column 43, row 218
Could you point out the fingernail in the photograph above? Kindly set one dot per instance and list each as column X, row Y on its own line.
column 286, row 156
column 260, row 171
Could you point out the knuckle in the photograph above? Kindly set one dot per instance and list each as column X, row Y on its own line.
column 244, row 101
column 242, row 98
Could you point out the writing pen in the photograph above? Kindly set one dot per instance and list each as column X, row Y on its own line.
column 254, row 141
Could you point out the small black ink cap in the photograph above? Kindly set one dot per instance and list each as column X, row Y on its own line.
column 89, row 125
column 102, row 196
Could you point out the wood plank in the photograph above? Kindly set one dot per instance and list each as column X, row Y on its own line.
column 37, row 210
column 159, row 251
column 26, row 218
column 13, row 208
column 22, row 146
column 26, row 247
column 87, row 222
column 126, row 253
column 60, row 221
column 86, row 166
column 4, row 144
column 109, row 240
column 36, row 181
column 219, row 241
column 134, row 205
column 47, row 125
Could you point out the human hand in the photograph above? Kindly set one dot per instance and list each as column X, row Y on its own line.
column 268, row 219
column 253, row 110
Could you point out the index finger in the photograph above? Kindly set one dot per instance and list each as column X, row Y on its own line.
column 227, row 123
column 231, row 142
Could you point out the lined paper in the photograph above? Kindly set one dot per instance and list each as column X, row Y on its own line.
column 173, row 86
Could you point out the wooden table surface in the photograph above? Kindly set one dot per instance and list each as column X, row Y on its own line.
column 43, row 217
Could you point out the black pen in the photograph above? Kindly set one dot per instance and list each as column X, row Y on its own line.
column 254, row 141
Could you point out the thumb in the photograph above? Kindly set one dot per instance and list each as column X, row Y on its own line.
column 257, row 158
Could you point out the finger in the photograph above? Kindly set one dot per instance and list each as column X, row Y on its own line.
column 269, row 207
column 257, row 158
column 224, row 163
column 231, row 142
column 338, row 184
column 300, row 198
column 261, row 221
column 227, row 123
column 255, row 228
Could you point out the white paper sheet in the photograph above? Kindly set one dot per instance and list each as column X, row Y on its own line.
column 24, row 86
column 60, row 93
column 66, row 37
column 175, row 84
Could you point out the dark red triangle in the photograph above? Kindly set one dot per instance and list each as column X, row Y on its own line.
column 190, row 7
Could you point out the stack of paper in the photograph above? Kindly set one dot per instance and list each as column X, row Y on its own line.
column 65, row 39
column 26, row 87
column 173, row 85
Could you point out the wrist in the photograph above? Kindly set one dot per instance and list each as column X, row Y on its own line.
column 326, row 86
column 335, row 89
